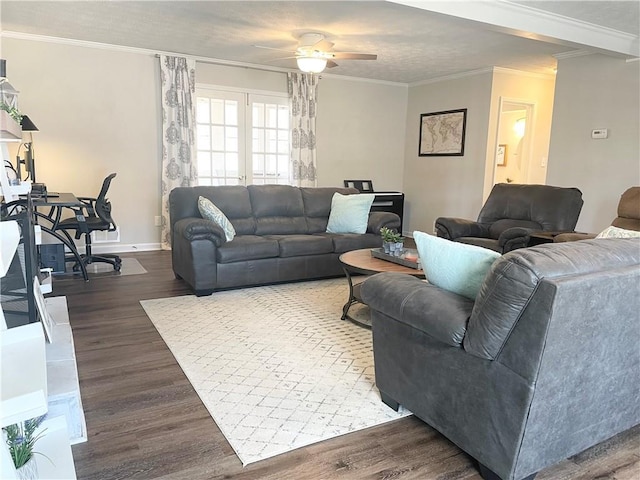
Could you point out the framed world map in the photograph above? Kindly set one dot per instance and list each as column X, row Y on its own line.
column 442, row 133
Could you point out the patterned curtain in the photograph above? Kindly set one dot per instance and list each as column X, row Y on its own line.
column 303, row 91
column 178, row 79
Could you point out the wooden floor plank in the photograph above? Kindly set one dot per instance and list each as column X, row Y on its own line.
column 146, row 422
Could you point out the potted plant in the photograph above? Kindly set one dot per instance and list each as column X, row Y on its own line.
column 392, row 241
column 21, row 439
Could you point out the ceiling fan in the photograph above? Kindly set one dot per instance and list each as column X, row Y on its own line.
column 315, row 53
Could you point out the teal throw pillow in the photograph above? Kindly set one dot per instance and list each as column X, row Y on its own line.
column 456, row 267
column 349, row 213
column 209, row 211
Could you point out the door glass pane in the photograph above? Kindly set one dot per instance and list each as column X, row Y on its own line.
column 231, row 112
column 202, row 110
column 258, row 140
column 217, row 111
column 231, row 137
column 258, row 114
column 231, row 165
column 218, row 164
column 204, row 137
column 217, row 142
column 258, row 165
column 272, row 141
column 272, row 116
column 204, row 164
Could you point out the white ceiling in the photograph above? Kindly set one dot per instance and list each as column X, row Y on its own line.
column 413, row 44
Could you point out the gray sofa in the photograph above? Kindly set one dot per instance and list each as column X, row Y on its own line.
column 542, row 365
column 281, row 236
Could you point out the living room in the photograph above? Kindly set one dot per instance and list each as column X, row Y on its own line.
column 97, row 108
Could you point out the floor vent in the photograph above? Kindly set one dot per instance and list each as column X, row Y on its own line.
column 100, row 236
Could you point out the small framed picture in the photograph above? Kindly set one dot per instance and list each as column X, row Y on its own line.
column 501, row 155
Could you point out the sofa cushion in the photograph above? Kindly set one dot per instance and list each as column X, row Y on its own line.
column 209, row 211
column 453, row 266
column 345, row 242
column 500, row 226
column 349, row 213
column 299, row 245
column 247, row 247
column 514, row 278
column 278, row 209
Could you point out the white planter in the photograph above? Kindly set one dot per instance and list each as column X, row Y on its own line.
column 10, row 130
column 29, row 471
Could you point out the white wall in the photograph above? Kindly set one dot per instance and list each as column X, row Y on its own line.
column 361, row 130
column 594, row 92
column 97, row 112
column 446, row 186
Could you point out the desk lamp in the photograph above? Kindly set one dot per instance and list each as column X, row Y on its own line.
column 27, row 126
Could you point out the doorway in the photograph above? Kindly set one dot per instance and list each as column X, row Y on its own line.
column 514, row 140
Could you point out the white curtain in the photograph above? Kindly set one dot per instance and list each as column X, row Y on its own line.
column 178, row 79
column 303, row 88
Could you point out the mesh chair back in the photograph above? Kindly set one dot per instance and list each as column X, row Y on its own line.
column 103, row 206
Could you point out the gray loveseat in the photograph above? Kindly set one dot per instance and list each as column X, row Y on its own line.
column 544, row 364
column 281, row 236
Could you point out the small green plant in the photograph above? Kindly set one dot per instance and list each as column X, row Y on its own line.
column 12, row 111
column 21, row 440
column 390, row 236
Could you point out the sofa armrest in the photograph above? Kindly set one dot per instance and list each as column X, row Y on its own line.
column 199, row 229
column 440, row 314
column 514, row 238
column 452, row 228
column 377, row 220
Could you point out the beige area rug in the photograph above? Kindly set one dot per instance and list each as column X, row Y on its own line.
column 275, row 366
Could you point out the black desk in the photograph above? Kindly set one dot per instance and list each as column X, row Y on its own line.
column 56, row 204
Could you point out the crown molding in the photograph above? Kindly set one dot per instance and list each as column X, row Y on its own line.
column 572, row 54
column 523, row 73
column 453, row 76
column 155, row 53
column 528, row 22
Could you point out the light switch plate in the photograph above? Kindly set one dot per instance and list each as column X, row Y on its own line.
column 600, row 133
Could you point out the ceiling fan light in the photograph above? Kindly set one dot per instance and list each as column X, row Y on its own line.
column 311, row 64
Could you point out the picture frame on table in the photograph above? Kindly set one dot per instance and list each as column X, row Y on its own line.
column 442, row 134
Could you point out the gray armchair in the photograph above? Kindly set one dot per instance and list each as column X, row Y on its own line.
column 512, row 213
column 541, row 366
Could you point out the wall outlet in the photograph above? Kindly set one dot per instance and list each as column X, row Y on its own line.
column 158, row 221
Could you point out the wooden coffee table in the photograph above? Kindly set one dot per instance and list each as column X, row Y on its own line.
column 360, row 262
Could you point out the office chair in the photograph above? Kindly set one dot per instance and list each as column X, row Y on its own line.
column 94, row 216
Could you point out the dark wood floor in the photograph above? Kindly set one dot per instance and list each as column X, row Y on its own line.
column 145, row 421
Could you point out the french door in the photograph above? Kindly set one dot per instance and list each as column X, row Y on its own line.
column 242, row 138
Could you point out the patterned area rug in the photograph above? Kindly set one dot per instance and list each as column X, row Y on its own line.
column 275, row 366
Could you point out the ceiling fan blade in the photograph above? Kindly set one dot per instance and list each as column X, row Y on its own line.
column 354, row 56
column 323, row 45
column 331, row 64
column 272, row 48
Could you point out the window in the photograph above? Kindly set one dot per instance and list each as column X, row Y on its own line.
column 242, row 138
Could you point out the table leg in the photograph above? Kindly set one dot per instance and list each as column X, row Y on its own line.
column 353, row 298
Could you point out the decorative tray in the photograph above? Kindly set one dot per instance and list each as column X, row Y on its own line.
column 401, row 260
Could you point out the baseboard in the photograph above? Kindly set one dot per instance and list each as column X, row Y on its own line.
column 120, row 248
